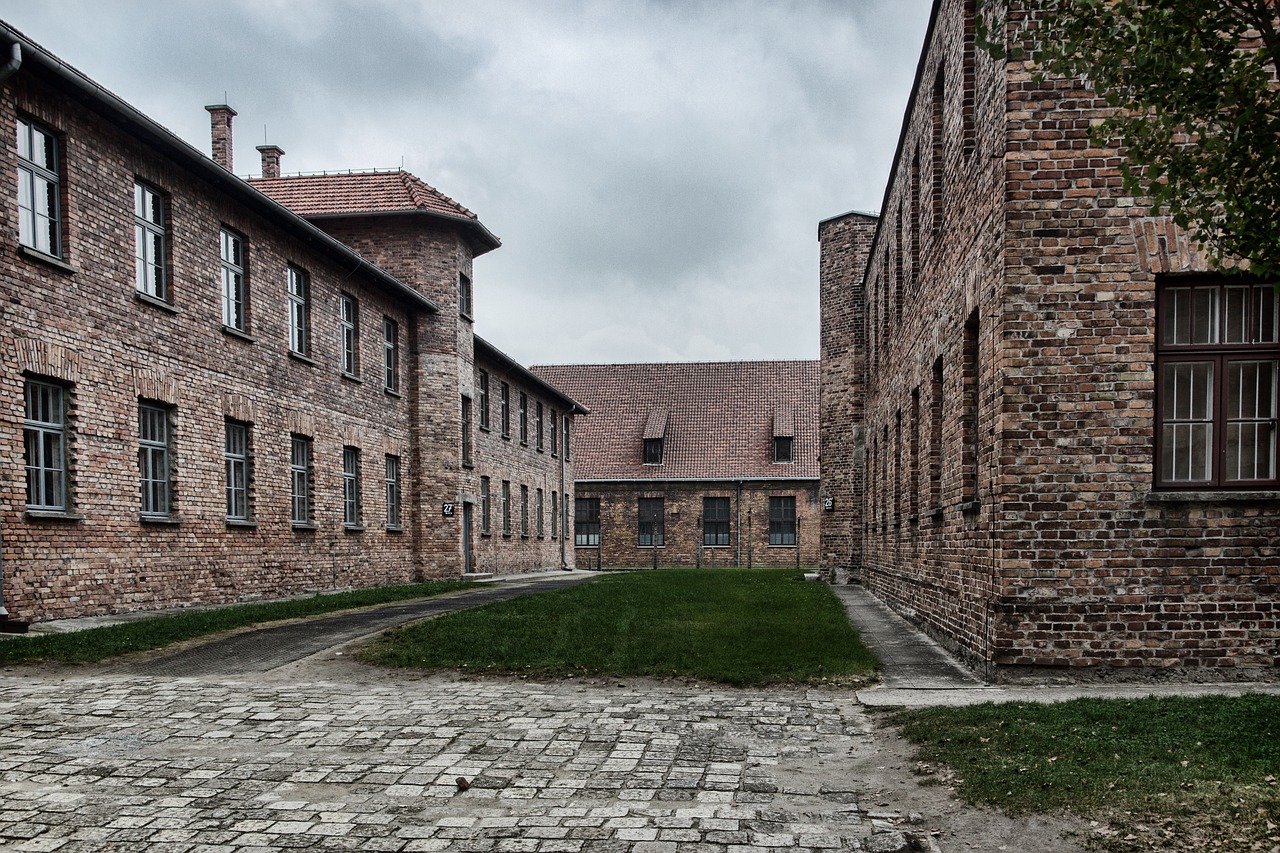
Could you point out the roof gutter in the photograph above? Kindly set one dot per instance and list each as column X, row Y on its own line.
column 103, row 101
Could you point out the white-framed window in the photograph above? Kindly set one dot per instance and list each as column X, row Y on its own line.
column 153, row 459
column 39, row 189
column 393, row 492
column 349, row 329
column 299, row 296
column 45, row 440
column 391, row 353
column 351, row 487
column 149, row 272
column 485, row 521
column 235, row 301
column 300, row 479
column 236, row 457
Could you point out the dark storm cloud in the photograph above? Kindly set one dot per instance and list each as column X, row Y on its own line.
column 655, row 169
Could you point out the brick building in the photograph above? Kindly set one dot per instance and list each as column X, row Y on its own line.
column 219, row 389
column 712, row 464
column 1048, row 424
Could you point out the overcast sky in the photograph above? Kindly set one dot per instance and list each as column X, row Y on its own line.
column 656, row 169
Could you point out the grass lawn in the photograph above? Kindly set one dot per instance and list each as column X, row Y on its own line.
column 95, row 644
column 737, row 626
column 1175, row 774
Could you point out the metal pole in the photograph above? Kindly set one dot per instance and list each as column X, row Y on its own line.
column 750, row 543
column 797, row 540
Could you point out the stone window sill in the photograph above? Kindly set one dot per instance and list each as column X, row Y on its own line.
column 305, row 359
column 233, row 332
column 154, row 302
column 304, row 527
column 246, row 523
column 51, row 515
column 159, row 519
column 1241, row 496
column 392, row 392
column 37, row 255
column 353, row 528
column 395, row 528
column 351, row 377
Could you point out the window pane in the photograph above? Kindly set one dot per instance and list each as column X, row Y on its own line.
column 1267, row 309
column 1187, row 391
column 1251, row 413
column 1190, row 315
column 1236, row 315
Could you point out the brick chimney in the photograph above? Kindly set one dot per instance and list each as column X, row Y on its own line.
column 220, row 116
column 271, row 155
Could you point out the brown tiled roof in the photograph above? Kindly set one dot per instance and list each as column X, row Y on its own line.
column 719, row 418
column 359, row 192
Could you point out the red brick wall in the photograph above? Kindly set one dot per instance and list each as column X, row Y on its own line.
column 682, row 504
column 1042, row 542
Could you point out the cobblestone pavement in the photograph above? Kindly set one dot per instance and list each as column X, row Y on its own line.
column 108, row 762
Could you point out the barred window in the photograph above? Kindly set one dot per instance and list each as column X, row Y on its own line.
column 45, row 440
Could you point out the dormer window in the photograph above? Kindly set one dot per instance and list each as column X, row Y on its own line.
column 655, row 431
column 653, row 451
column 783, row 436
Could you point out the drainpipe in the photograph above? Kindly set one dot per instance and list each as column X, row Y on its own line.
column 15, row 62
column 564, row 495
column 6, row 71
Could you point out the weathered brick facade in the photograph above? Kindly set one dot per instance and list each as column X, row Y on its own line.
column 74, row 320
column 668, row 443
column 990, row 395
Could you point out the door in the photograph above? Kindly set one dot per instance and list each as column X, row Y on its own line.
column 467, row 566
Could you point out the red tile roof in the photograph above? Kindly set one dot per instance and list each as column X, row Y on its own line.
column 359, row 192
column 719, row 418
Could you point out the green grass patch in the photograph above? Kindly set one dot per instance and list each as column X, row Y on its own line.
column 1184, row 773
column 95, row 644
column 737, row 626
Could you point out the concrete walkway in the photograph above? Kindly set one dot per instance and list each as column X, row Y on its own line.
column 918, row 672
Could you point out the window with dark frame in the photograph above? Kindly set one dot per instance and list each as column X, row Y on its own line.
column 555, row 441
column 236, row 457
column 715, row 521
column 485, row 527
column 650, row 522
column 506, row 507
column 539, row 526
column 1217, row 368
column 299, row 297
column 351, row 487
column 153, row 460
column 537, row 423
column 393, row 492
column 504, row 410
column 349, row 332
column 782, row 448
column 565, row 433
column 524, row 418
column 391, row 353
column 39, row 189
column 782, row 520
column 300, row 479
column 484, row 400
column 149, row 274
column 45, row 443
column 464, row 294
column 555, row 514
column 466, row 430
column 524, row 511
column 586, row 522
column 235, row 295
column 653, row 451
